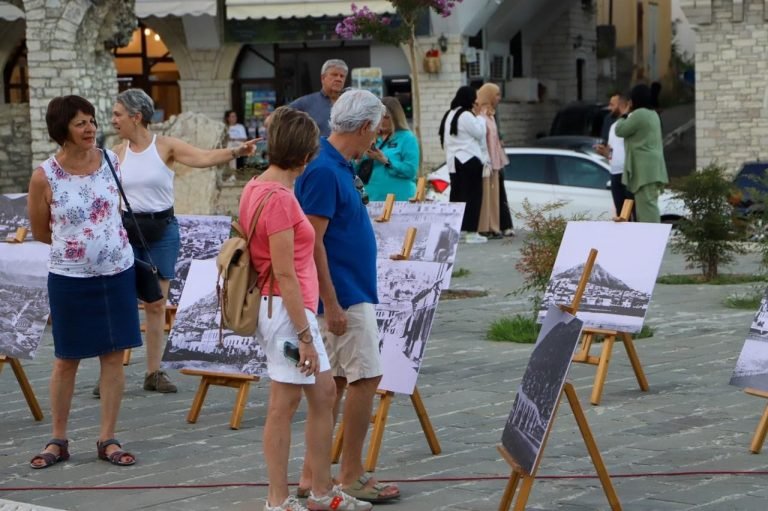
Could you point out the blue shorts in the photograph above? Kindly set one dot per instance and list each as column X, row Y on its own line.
column 164, row 251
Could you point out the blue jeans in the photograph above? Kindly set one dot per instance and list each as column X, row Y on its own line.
column 164, row 252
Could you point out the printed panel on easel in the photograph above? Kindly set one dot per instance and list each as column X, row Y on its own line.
column 752, row 366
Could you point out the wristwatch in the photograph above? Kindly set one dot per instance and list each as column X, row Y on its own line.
column 388, row 164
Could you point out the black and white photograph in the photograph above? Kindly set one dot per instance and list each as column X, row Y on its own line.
column 24, row 305
column 538, row 393
column 13, row 214
column 752, row 365
column 619, row 291
column 408, row 295
column 201, row 238
column 194, row 339
column 438, row 229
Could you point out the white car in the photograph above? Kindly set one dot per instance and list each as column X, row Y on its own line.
column 542, row 175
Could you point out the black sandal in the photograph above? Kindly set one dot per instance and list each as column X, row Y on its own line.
column 48, row 457
column 115, row 457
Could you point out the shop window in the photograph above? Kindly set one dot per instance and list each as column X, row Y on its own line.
column 146, row 63
column 16, row 76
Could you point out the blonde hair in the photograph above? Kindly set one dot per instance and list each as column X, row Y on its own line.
column 486, row 94
column 396, row 113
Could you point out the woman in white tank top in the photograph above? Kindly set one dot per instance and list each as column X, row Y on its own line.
column 147, row 178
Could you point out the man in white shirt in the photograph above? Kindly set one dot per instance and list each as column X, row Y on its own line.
column 614, row 151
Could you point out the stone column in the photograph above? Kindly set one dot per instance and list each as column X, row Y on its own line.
column 69, row 52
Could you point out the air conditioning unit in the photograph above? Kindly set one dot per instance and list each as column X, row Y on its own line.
column 524, row 90
column 500, row 67
column 477, row 63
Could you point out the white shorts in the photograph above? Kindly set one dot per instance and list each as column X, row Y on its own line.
column 272, row 334
column 355, row 355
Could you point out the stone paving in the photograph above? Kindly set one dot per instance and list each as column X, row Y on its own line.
column 690, row 420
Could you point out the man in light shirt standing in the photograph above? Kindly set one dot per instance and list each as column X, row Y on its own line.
column 613, row 150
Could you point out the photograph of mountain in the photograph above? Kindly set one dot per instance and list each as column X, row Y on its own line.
column 24, row 306
column 538, row 393
column 194, row 340
column 408, row 295
column 752, row 366
column 13, row 214
column 619, row 291
column 438, row 227
column 201, row 238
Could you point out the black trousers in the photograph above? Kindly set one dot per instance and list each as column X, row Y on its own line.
column 505, row 217
column 467, row 187
column 619, row 193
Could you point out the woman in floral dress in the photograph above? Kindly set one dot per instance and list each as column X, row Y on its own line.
column 74, row 206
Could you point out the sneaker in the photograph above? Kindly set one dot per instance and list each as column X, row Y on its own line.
column 289, row 504
column 473, row 237
column 336, row 500
column 159, row 382
column 509, row 233
column 96, row 392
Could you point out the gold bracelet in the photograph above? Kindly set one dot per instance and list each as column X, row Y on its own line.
column 306, row 328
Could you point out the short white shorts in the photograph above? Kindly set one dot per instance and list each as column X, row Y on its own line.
column 272, row 334
column 355, row 355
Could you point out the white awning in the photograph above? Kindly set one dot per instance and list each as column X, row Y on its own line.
column 10, row 12
column 162, row 8
column 271, row 9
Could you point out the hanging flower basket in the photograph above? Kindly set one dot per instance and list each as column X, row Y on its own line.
column 432, row 61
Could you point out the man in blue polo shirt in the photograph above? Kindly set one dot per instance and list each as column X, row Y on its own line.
column 345, row 254
column 318, row 105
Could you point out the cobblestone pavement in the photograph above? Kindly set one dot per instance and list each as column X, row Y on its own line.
column 690, row 420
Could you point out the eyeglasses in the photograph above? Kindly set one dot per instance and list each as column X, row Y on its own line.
column 360, row 187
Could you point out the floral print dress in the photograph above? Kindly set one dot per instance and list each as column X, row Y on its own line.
column 88, row 238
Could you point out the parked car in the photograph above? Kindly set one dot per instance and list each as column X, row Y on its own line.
column 580, row 119
column 544, row 175
column 750, row 189
column 581, row 143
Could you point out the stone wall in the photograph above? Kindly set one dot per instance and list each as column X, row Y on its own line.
column 519, row 123
column 437, row 91
column 731, row 66
column 15, row 149
column 67, row 51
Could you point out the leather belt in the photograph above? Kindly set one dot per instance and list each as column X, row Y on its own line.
column 156, row 215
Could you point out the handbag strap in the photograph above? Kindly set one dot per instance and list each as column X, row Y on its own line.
column 128, row 208
column 251, row 232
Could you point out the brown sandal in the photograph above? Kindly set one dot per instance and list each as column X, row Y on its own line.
column 48, row 457
column 116, row 457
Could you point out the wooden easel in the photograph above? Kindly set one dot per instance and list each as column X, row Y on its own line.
column 241, row 382
column 609, row 339
column 18, row 237
column 379, row 418
column 389, row 205
column 26, row 388
column 421, row 190
column 762, row 427
column 170, row 317
column 518, row 473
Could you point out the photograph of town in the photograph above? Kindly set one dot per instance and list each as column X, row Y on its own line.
column 408, row 295
column 619, row 291
column 438, row 227
column 752, row 365
column 194, row 339
column 13, row 214
column 539, row 391
column 201, row 238
column 24, row 306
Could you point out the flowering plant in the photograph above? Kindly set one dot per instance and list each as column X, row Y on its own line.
column 365, row 23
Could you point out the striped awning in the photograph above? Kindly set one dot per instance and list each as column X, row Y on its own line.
column 162, row 8
column 272, row 9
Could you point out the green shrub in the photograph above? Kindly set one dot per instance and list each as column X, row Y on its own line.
column 520, row 328
column 707, row 237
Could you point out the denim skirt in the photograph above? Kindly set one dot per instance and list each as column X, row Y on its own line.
column 95, row 315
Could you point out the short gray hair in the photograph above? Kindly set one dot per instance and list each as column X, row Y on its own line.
column 353, row 109
column 136, row 101
column 334, row 63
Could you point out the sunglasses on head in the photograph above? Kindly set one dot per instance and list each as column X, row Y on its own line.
column 360, row 187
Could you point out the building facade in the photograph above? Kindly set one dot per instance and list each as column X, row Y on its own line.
column 209, row 56
column 731, row 93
